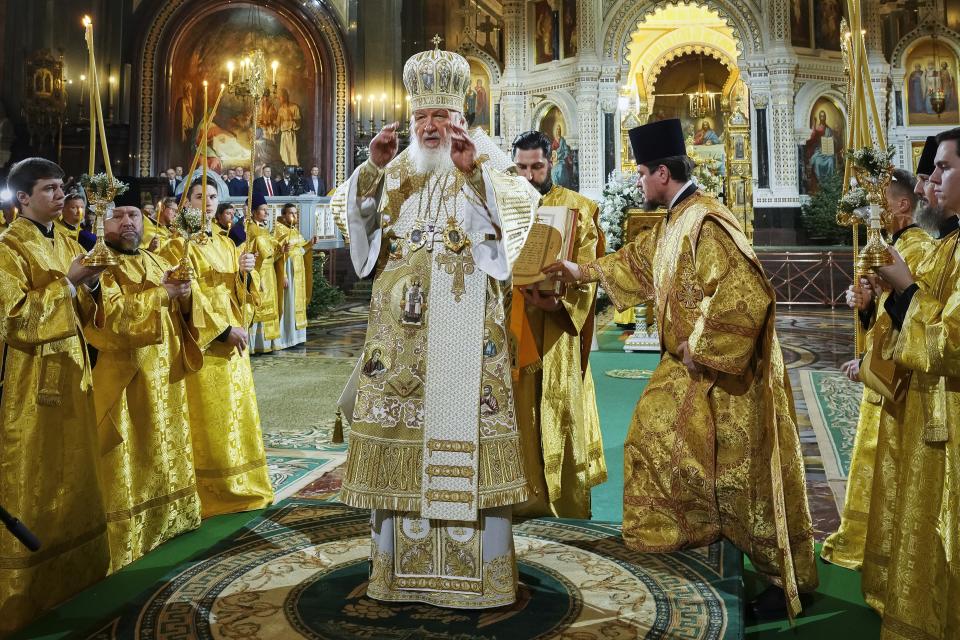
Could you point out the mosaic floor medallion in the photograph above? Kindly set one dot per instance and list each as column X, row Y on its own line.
column 301, row 573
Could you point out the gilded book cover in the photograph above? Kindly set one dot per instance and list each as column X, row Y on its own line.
column 551, row 238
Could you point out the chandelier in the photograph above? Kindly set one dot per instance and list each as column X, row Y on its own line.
column 938, row 101
column 702, row 103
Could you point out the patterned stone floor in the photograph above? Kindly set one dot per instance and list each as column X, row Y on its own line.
column 811, row 338
column 815, row 339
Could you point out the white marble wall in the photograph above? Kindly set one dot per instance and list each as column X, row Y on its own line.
column 783, row 80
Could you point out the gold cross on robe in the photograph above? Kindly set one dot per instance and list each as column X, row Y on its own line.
column 457, row 264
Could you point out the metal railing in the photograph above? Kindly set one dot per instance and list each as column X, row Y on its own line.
column 809, row 278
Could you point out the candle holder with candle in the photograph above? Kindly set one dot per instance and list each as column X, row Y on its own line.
column 101, row 191
column 189, row 225
column 873, row 169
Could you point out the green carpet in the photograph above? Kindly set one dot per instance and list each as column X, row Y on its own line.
column 611, row 337
column 297, row 395
column 837, row 611
column 301, row 571
column 833, row 404
column 105, row 601
column 616, row 398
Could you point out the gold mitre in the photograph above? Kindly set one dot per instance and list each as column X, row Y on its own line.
column 437, row 79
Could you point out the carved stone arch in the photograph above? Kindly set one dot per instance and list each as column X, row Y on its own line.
column 918, row 36
column 568, row 108
column 693, row 48
column 470, row 50
column 316, row 21
column 808, row 95
column 625, row 15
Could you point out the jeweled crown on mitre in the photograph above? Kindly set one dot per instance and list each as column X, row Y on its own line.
column 437, row 79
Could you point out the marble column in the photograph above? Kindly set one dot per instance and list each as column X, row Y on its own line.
column 512, row 96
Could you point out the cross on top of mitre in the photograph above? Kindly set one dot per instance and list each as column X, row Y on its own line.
column 436, row 41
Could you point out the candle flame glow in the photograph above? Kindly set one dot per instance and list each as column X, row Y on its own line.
column 274, row 65
column 87, row 22
column 230, row 65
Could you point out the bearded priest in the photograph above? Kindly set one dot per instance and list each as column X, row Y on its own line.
column 434, row 448
column 713, row 448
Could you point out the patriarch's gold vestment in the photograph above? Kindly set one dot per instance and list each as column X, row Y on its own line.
column 434, row 447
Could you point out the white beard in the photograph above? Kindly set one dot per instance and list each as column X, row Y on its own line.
column 430, row 160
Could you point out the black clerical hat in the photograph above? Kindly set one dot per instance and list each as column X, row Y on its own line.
column 657, row 140
column 925, row 164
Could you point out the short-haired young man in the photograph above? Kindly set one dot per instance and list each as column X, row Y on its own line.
column 49, row 445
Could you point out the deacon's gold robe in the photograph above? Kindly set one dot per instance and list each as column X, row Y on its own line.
column 62, row 227
column 556, row 406
column 871, row 496
column 718, row 455
column 922, row 576
column 299, row 247
column 153, row 230
column 231, row 465
column 269, row 266
column 48, row 443
column 145, row 349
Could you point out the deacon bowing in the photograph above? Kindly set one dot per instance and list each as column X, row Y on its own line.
column 556, row 405
column 228, row 451
column 713, row 448
column 49, row 449
column 146, row 345
column 434, row 449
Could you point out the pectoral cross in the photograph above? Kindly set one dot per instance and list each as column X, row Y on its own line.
column 457, row 264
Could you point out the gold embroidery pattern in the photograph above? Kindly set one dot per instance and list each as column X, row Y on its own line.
column 450, row 471
column 439, row 584
column 726, row 327
column 452, row 446
column 440, row 495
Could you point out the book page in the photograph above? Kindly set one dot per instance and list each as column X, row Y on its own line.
column 550, row 239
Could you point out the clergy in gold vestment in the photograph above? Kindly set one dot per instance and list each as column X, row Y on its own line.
column 71, row 217
column 434, row 449
column 923, row 577
column 265, row 329
column 228, row 451
column 293, row 281
column 146, row 345
column 846, row 547
column 48, row 443
column 556, row 405
column 156, row 233
column 713, row 448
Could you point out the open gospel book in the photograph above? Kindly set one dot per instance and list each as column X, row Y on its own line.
column 552, row 237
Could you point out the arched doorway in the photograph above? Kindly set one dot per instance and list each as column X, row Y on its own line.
column 186, row 43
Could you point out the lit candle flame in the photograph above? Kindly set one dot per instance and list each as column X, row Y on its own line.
column 87, row 22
